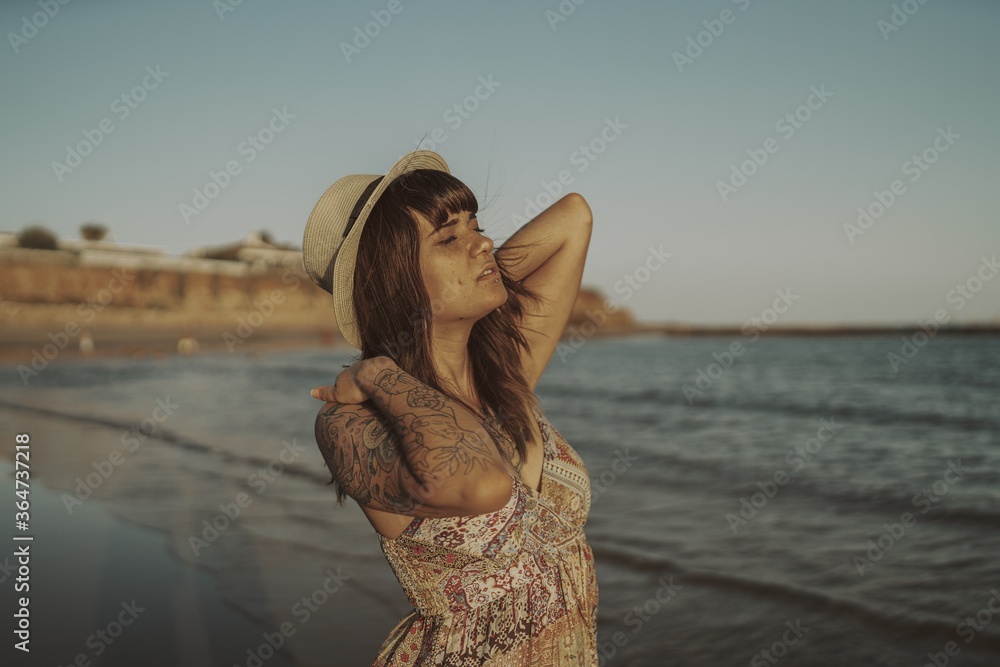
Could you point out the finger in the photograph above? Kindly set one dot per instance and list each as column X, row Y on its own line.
column 323, row 393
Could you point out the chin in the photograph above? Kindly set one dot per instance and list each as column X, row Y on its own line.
column 493, row 304
column 502, row 300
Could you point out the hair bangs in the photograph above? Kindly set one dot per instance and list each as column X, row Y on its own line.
column 437, row 195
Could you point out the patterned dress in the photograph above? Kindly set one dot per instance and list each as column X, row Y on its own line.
column 509, row 588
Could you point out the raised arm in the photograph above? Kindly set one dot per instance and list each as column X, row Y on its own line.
column 553, row 267
column 411, row 449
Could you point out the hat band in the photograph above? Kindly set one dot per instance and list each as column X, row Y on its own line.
column 362, row 200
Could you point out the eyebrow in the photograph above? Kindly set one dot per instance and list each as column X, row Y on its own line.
column 450, row 223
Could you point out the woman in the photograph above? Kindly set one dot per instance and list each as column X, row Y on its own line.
column 478, row 502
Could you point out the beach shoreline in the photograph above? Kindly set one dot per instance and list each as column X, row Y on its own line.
column 33, row 347
column 40, row 344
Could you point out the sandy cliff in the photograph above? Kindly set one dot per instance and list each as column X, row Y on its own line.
column 125, row 299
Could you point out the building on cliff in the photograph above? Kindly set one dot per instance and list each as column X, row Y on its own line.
column 256, row 249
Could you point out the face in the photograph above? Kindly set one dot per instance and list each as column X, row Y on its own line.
column 452, row 259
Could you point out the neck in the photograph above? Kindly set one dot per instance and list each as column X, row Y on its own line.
column 450, row 356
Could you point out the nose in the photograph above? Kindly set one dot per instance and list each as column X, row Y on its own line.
column 483, row 242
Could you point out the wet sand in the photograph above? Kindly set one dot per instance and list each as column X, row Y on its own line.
column 107, row 591
column 91, row 557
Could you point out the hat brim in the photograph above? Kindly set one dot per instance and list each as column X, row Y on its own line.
column 343, row 269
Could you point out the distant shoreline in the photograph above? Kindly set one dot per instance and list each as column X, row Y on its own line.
column 820, row 330
column 19, row 343
column 100, row 299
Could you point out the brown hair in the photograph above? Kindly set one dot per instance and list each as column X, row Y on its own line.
column 394, row 310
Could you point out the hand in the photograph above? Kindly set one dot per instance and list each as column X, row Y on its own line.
column 348, row 388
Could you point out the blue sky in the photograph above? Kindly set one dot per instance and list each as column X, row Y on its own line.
column 674, row 129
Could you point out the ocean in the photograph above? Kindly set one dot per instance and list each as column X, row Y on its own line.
column 812, row 501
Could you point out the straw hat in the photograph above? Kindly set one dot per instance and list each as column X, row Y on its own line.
column 333, row 231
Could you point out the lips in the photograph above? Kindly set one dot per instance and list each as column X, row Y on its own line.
column 489, row 271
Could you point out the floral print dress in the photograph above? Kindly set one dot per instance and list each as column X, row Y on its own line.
column 514, row 587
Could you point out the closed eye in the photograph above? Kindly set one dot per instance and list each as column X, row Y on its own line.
column 453, row 237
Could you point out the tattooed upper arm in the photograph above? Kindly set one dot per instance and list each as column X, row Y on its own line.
column 368, row 462
column 363, row 457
